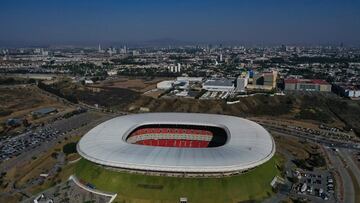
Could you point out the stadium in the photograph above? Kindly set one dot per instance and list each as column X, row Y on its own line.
column 160, row 150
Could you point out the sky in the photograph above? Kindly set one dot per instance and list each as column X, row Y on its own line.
column 244, row 21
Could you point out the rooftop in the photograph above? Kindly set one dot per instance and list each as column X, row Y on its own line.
column 309, row 81
column 219, row 82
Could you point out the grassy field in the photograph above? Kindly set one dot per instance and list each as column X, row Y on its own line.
column 135, row 84
column 254, row 185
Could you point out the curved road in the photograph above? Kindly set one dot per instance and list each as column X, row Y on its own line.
column 349, row 192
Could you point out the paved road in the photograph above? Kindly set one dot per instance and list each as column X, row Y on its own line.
column 346, row 155
column 349, row 193
column 354, row 169
column 314, row 138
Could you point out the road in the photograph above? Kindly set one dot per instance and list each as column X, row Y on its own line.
column 349, row 191
column 346, row 155
column 353, row 171
column 314, row 138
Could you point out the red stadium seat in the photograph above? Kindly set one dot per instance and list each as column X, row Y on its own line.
column 174, row 137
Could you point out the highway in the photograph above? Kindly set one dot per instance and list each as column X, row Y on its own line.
column 353, row 171
column 337, row 164
column 314, row 138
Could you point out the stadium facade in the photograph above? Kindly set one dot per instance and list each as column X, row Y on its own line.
column 186, row 144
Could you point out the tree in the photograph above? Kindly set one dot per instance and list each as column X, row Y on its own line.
column 70, row 148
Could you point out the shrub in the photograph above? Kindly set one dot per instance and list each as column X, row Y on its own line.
column 70, row 148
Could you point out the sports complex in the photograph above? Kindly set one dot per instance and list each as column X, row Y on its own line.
column 179, row 154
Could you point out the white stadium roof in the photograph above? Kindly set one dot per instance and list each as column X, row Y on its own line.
column 248, row 145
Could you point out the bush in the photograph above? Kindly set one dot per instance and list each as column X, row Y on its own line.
column 54, row 155
column 70, row 148
column 4, row 112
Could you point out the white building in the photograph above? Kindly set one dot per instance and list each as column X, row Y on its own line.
column 190, row 79
column 89, row 82
column 112, row 72
column 164, row 85
column 175, row 69
column 225, row 85
column 242, row 82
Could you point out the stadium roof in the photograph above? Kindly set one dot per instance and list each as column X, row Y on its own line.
column 248, row 145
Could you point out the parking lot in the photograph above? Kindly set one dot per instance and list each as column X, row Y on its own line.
column 215, row 95
column 13, row 146
column 316, row 186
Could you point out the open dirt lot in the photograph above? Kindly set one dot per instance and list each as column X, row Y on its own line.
column 136, row 84
column 19, row 102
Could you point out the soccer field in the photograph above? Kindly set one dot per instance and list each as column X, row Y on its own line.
column 254, row 185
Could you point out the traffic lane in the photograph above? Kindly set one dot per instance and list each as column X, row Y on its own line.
column 349, row 193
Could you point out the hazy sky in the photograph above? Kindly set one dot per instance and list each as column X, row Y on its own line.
column 251, row 21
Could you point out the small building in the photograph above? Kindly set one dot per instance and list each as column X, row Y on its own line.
column 183, row 200
column 307, row 85
column 112, row 72
column 44, row 111
column 144, row 109
column 89, row 82
column 14, row 122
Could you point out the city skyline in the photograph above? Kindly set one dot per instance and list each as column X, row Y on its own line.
column 247, row 22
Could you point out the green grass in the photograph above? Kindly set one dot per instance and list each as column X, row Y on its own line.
column 254, row 185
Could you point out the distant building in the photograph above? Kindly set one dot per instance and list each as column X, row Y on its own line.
column 181, row 84
column 179, row 67
column 266, row 79
column 175, row 69
column 100, row 50
column 270, row 78
column 14, row 122
column 89, row 82
column 242, row 82
column 44, row 111
column 307, row 85
column 112, row 72
column 166, row 84
column 219, row 85
column 347, row 90
column 263, row 80
column 190, row 79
